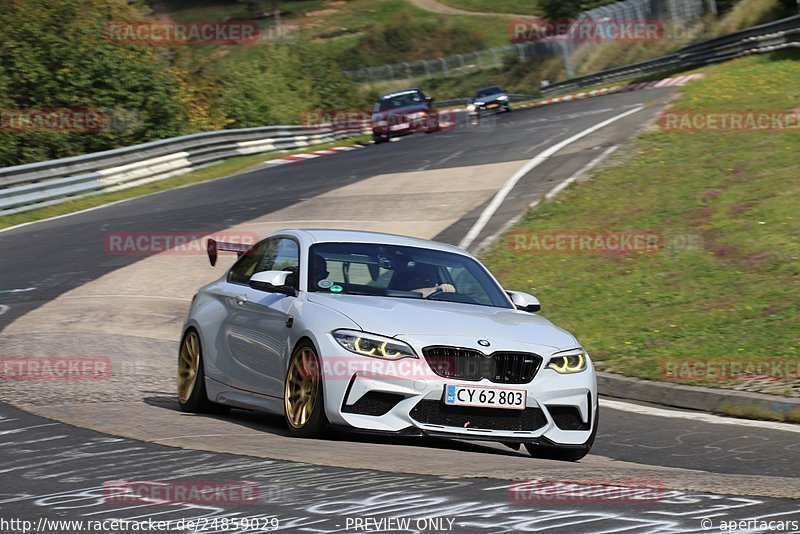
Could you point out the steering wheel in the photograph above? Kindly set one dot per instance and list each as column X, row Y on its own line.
column 435, row 293
column 452, row 297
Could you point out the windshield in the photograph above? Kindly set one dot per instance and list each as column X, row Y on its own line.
column 493, row 90
column 401, row 272
column 400, row 100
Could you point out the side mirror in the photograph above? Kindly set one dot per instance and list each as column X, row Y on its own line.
column 429, row 99
column 272, row 282
column 524, row 301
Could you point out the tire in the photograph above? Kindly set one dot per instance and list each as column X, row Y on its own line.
column 565, row 454
column 303, row 399
column 192, row 394
column 377, row 139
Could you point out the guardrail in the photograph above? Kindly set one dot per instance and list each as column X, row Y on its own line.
column 769, row 37
column 36, row 185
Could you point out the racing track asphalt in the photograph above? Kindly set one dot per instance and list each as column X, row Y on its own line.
column 52, row 471
column 60, row 255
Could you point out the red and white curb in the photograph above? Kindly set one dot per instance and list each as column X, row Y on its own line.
column 311, row 155
column 576, row 96
column 676, row 81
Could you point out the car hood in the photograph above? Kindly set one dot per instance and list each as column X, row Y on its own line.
column 382, row 115
column 410, row 318
column 489, row 98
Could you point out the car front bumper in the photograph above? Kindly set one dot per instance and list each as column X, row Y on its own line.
column 496, row 106
column 406, row 397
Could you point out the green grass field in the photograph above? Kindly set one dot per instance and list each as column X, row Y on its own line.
column 726, row 285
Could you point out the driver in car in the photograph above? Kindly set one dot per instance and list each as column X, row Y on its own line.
column 421, row 278
column 428, row 291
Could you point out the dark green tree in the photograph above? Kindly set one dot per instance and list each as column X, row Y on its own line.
column 560, row 9
column 281, row 82
column 55, row 54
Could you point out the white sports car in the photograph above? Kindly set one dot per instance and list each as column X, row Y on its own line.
column 384, row 333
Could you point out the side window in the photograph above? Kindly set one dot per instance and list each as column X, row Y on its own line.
column 284, row 256
column 245, row 267
column 275, row 254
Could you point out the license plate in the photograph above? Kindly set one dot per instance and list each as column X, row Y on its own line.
column 491, row 106
column 395, row 127
column 513, row 399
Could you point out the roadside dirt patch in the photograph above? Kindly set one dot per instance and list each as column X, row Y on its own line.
column 699, row 216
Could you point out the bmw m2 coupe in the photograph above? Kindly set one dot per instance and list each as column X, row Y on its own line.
column 384, row 333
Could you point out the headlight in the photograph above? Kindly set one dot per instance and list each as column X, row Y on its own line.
column 471, row 107
column 381, row 124
column 504, row 97
column 571, row 362
column 413, row 116
column 373, row 345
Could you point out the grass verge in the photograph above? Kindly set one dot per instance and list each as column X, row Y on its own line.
column 215, row 171
column 724, row 289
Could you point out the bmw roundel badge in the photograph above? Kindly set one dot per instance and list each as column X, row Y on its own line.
column 483, row 343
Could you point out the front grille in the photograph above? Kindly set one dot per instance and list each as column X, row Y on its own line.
column 434, row 412
column 374, row 403
column 471, row 364
column 567, row 418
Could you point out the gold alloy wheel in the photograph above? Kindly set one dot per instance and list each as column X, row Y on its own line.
column 188, row 365
column 302, row 384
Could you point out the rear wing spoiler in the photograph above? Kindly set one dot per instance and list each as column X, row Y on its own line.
column 213, row 247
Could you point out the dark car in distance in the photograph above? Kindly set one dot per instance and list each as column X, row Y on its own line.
column 402, row 113
column 488, row 99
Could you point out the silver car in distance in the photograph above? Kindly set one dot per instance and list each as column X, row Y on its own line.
column 388, row 334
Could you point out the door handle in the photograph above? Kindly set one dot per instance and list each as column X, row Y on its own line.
column 241, row 299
